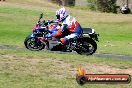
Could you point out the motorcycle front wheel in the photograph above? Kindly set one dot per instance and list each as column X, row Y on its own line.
column 33, row 44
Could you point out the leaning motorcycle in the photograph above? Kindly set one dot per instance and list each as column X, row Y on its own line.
column 85, row 44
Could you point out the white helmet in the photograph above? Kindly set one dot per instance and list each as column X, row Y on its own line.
column 61, row 14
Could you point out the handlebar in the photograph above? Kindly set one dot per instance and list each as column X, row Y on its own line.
column 41, row 16
column 46, row 22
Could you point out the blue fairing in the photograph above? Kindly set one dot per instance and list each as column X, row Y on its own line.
column 53, row 30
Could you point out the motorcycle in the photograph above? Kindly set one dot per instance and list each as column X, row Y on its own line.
column 85, row 44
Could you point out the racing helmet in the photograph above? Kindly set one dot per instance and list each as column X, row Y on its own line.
column 61, row 14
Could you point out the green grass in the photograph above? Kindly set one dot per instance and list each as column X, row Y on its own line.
column 28, row 69
column 16, row 23
column 78, row 59
column 15, row 26
column 44, row 82
column 43, row 69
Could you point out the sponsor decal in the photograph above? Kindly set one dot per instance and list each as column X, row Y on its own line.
column 83, row 78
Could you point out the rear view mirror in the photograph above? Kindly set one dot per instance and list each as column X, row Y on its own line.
column 43, row 21
column 41, row 16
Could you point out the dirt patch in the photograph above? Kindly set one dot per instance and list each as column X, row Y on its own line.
column 52, row 67
column 8, row 47
column 34, row 66
column 33, row 5
column 105, row 69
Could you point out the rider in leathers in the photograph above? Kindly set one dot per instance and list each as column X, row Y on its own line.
column 67, row 23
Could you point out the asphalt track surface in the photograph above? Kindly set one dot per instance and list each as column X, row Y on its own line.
column 7, row 47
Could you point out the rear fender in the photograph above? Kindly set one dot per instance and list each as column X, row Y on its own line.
column 89, row 32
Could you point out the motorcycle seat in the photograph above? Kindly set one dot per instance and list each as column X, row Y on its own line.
column 88, row 31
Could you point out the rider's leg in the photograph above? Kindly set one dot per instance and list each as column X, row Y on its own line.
column 65, row 41
column 67, row 38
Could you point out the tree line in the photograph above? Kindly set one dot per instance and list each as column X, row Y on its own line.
column 100, row 5
column 104, row 5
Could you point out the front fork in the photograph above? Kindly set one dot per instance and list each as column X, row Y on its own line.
column 41, row 39
column 44, row 41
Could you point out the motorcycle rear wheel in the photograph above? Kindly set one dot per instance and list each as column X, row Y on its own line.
column 89, row 45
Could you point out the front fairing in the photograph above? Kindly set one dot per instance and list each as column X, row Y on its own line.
column 37, row 26
column 39, row 29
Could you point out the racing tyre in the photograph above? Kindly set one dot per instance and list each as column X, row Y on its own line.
column 33, row 44
column 87, row 46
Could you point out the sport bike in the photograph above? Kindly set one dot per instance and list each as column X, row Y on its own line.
column 84, row 44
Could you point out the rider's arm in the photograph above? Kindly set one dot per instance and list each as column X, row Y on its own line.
column 63, row 27
column 55, row 21
column 52, row 21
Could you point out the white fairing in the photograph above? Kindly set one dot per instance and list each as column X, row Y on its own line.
column 85, row 34
column 93, row 31
column 71, row 36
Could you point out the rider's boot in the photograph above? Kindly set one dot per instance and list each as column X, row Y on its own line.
column 67, row 47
